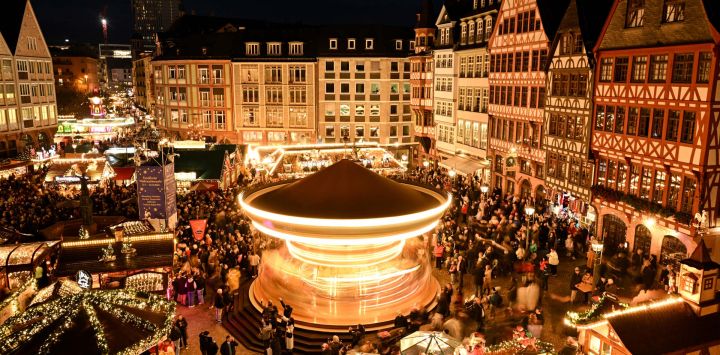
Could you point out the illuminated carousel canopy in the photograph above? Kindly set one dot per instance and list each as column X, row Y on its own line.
column 64, row 319
column 351, row 253
column 345, row 190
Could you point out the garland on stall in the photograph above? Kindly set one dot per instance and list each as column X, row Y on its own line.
column 66, row 309
column 595, row 312
column 13, row 298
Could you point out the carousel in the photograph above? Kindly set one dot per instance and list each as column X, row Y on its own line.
column 352, row 252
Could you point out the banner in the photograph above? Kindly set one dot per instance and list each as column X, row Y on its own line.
column 156, row 191
column 198, row 228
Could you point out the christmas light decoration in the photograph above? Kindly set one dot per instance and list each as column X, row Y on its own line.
column 62, row 313
column 574, row 319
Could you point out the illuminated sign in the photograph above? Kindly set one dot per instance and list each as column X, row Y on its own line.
column 83, row 279
column 119, row 53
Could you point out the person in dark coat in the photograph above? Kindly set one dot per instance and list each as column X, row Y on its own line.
column 575, row 279
column 204, row 342
column 228, row 347
column 211, row 346
column 182, row 325
column 401, row 321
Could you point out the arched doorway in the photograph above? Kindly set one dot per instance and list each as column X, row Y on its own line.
column 525, row 189
column 643, row 238
column 26, row 141
column 672, row 250
column 613, row 233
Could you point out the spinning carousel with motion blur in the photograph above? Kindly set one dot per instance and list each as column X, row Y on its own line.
column 352, row 252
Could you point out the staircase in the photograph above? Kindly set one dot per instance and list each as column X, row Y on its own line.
column 244, row 325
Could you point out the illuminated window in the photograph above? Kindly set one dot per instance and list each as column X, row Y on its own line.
column 635, row 13
column 252, row 48
column 296, row 48
column 351, row 43
column 369, row 43
column 673, row 10
column 333, row 43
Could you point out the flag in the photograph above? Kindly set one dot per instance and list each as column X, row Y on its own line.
column 198, row 228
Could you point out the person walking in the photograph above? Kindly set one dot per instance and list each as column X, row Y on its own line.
column 182, row 326
column 254, row 261
column 553, row 261
column 200, row 288
column 219, row 305
column 462, row 266
column 479, row 276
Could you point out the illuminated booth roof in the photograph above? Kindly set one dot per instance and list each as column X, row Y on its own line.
column 345, row 190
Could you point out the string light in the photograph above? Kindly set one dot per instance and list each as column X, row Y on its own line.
column 629, row 310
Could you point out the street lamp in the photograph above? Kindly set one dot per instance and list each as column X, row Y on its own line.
column 529, row 212
column 597, row 248
column 426, row 163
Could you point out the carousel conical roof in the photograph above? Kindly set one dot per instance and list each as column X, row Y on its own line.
column 345, row 190
column 69, row 320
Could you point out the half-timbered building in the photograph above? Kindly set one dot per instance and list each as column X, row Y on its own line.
column 655, row 137
column 518, row 48
column 444, row 77
column 568, row 107
column 421, row 81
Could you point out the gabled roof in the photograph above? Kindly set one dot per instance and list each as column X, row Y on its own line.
column 700, row 258
column 11, row 17
column 665, row 329
column 551, row 13
column 589, row 17
column 712, row 9
column 426, row 15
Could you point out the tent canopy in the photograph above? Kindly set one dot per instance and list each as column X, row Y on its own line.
column 464, row 165
column 430, row 343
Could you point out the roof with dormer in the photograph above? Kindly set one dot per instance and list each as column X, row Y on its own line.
column 700, row 258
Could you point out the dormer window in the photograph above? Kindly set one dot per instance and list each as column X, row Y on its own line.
column 369, row 43
column 252, row 48
column 32, row 43
column 398, row 44
column 273, row 48
column 351, row 43
column 333, row 43
column 296, row 48
column 475, row 4
column 412, row 45
column 204, row 51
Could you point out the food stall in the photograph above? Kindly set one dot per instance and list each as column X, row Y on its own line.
column 67, row 171
column 92, row 129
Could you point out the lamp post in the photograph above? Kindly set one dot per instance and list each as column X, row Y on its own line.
column 597, row 248
column 529, row 212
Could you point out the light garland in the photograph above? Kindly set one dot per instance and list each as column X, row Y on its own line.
column 69, row 307
column 12, row 300
column 630, row 310
column 573, row 319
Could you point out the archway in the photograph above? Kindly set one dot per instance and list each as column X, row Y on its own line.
column 643, row 238
column 613, row 233
column 525, row 189
column 26, row 141
column 672, row 250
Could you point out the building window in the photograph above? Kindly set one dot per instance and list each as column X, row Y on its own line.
column 369, row 43
column 374, row 110
column 398, row 44
column 673, row 10
column 329, row 66
column 296, row 48
column 344, row 110
column 250, row 116
column 660, row 180
column 273, row 48
column 333, row 43
column 639, row 69
column 703, row 73
column 688, row 127
column 273, row 74
column 274, row 117
column 252, row 48
column 32, row 43
column 682, row 68
column 298, row 95
column 658, row 68
column 644, row 122
column 217, row 74
column 298, row 74
column 251, row 94
column 606, row 69
column 635, row 13
column 657, row 123
column 360, row 110
column 621, row 69
column 330, row 131
column 688, row 195
column 298, row 117
column 673, row 191
column 220, row 119
column 329, row 88
column 351, row 43
column 671, row 133
column 412, row 45
column 273, row 95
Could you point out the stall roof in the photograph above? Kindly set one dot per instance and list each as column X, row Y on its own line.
column 23, row 254
column 150, row 253
column 206, row 164
column 464, row 165
column 61, row 168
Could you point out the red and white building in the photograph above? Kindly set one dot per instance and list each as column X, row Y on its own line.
column 655, row 137
column 518, row 54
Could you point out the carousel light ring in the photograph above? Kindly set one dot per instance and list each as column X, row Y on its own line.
column 350, row 244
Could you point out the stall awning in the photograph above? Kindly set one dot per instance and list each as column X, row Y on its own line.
column 464, row 165
column 124, row 173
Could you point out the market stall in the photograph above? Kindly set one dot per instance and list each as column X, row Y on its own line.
column 300, row 160
column 17, row 261
column 92, row 129
column 68, row 171
column 13, row 167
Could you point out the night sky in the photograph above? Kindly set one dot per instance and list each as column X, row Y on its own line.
column 79, row 20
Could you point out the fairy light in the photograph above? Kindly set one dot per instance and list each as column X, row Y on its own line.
column 670, row 301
